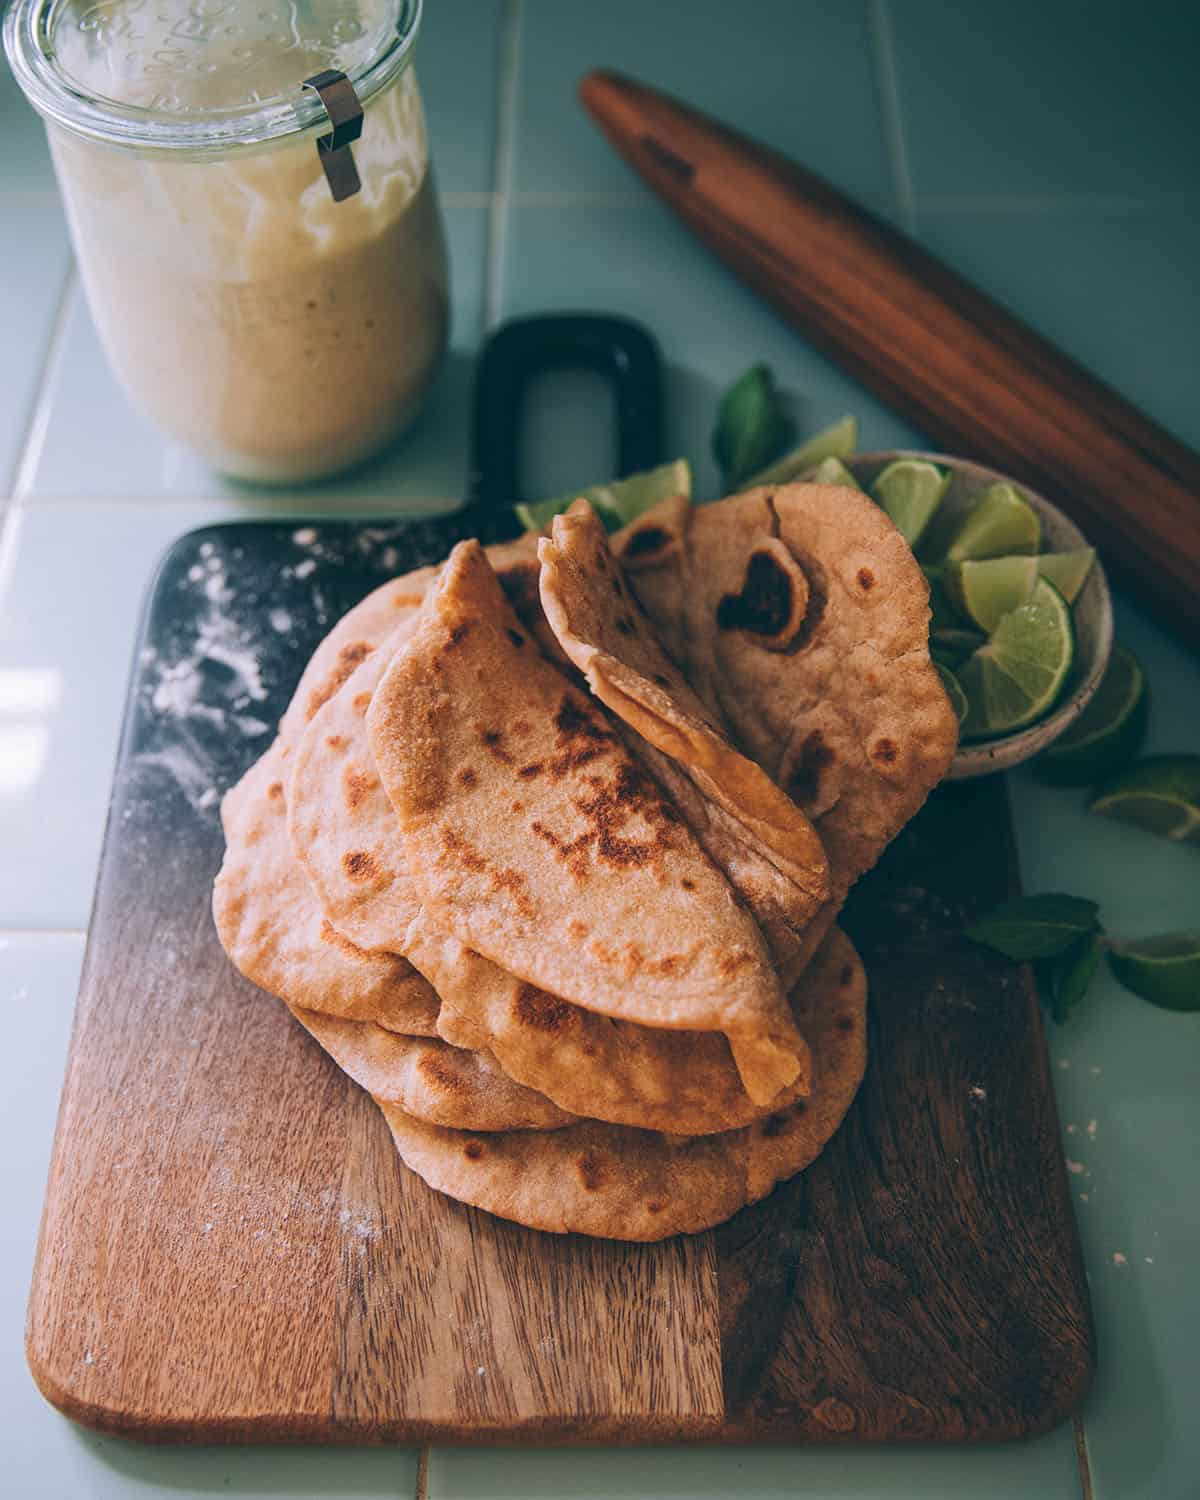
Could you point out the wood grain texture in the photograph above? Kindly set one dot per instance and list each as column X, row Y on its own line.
column 962, row 368
column 230, row 1248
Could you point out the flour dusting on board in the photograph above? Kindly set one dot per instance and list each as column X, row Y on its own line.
column 208, row 689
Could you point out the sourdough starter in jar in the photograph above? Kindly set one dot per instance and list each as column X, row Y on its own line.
column 283, row 335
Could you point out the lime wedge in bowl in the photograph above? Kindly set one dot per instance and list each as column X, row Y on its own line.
column 834, row 471
column 1018, row 676
column 985, row 591
column 1067, row 571
column 1001, row 523
column 1164, row 970
column 1160, row 794
column 910, row 491
column 616, row 503
column 1107, row 734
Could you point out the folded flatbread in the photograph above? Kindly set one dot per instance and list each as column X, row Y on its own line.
column 431, row 1080
column 535, row 838
column 639, row 1184
column 743, row 813
column 272, row 928
column 344, row 832
column 803, row 619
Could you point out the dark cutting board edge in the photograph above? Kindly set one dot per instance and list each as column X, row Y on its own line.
column 921, row 1281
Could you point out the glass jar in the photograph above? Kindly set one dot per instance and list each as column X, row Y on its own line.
column 268, row 295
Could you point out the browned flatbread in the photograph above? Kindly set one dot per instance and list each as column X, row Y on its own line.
column 350, row 642
column 741, row 812
column 272, row 928
column 535, row 839
column 430, row 1080
column 806, row 624
column 683, row 1082
column 651, row 550
column 345, row 833
column 638, row 1184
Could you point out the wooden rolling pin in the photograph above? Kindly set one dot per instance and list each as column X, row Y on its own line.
column 960, row 367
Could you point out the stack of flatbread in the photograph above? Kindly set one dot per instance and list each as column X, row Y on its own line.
column 549, row 850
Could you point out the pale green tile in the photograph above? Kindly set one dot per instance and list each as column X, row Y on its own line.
column 1075, row 97
column 797, row 74
column 1127, row 1078
column 635, row 259
column 1043, row 1469
column 458, row 69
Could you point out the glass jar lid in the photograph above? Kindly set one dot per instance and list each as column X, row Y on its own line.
column 205, row 77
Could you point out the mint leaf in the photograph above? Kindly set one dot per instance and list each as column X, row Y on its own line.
column 752, row 427
column 1063, row 981
column 1036, row 926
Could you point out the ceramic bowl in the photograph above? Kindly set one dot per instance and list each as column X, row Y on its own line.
column 1091, row 613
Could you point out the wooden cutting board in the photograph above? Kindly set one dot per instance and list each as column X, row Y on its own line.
column 231, row 1249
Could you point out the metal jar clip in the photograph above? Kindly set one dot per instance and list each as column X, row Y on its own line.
column 345, row 113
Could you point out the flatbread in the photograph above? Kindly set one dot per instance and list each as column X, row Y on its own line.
column 270, row 925
column 684, row 1082
column 534, row 837
column 429, row 1080
column 651, row 551
column 609, row 639
column 345, row 832
column 350, row 642
column 807, row 626
column 638, row 1184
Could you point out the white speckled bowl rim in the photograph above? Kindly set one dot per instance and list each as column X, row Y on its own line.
column 1092, row 613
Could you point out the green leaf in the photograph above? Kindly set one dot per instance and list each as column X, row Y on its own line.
column 752, row 427
column 1036, row 926
column 1063, row 981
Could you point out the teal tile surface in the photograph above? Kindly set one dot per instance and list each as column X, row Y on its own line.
column 1126, row 1076
column 799, row 75
column 45, row 1456
column 96, row 443
column 36, row 261
column 457, row 62
column 74, row 575
column 632, row 257
column 1114, row 286
column 1043, row 1469
column 1035, row 98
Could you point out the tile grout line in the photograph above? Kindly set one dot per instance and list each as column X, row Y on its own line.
column 39, row 417
column 1081, row 1453
column 422, row 1490
column 502, row 163
column 24, row 934
column 889, row 100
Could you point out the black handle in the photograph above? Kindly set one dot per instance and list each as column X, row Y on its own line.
column 623, row 350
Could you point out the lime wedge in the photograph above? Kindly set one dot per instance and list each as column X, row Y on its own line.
column 1164, row 970
column 1000, row 523
column 834, row 471
column 618, row 502
column 1019, row 674
column 958, row 699
column 1160, row 794
column 1067, row 571
column 1107, row 734
column 838, row 441
column 985, row 591
column 910, row 491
